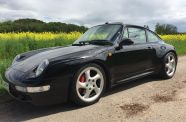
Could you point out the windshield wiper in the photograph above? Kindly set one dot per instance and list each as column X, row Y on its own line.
column 81, row 43
column 101, row 42
column 95, row 42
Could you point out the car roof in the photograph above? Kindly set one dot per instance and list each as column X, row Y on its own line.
column 130, row 25
column 127, row 25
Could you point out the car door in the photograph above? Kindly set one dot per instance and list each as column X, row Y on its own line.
column 132, row 59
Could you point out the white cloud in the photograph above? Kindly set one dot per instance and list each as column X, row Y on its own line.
column 91, row 12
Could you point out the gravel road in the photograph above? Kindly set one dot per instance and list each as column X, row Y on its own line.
column 148, row 99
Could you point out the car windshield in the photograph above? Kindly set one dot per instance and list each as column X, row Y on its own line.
column 100, row 33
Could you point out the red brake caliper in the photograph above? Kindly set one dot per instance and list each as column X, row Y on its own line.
column 82, row 79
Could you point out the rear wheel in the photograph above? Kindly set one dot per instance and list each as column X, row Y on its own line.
column 169, row 65
column 88, row 85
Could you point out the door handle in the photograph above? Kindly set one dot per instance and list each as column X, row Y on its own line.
column 149, row 47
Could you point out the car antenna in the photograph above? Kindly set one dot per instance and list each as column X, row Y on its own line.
column 106, row 22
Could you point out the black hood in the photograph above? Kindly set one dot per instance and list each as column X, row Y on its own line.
column 53, row 53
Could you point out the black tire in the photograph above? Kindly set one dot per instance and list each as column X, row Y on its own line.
column 163, row 72
column 74, row 95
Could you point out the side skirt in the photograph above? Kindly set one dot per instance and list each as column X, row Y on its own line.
column 133, row 78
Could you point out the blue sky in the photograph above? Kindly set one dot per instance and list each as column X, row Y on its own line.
column 92, row 12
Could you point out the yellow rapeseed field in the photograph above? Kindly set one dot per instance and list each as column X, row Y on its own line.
column 39, row 36
column 177, row 37
column 68, row 36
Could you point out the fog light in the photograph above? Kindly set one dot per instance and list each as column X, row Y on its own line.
column 33, row 89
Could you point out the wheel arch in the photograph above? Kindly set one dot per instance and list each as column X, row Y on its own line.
column 162, row 70
column 98, row 62
column 173, row 51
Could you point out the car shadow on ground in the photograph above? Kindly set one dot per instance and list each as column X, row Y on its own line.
column 131, row 84
column 13, row 110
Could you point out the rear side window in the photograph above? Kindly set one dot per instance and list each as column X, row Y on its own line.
column 137, row 35
column 152, row 37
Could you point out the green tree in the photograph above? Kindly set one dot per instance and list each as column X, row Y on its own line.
column 33, row 25
column 165, row 29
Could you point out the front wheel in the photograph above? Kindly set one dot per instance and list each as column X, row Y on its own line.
column 169, row 65
column 88, row 85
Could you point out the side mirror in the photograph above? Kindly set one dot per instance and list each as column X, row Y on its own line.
column 125, row 41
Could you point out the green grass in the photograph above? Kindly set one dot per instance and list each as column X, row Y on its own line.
column 10, row 48
column 4, row 63
column 180, row 46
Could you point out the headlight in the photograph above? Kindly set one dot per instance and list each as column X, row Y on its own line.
column 42, row 66
column 16, row 58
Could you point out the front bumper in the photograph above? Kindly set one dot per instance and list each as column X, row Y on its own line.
column 42, row 98
column 58, row 92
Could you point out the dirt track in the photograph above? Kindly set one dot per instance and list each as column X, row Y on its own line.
column 148, row 99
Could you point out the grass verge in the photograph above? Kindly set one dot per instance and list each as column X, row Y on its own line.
column 180, row 46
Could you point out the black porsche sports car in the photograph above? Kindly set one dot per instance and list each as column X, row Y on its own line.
column 105, row 56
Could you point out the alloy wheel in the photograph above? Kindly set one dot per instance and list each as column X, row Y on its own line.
column 90, row 84
column 170, row 65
